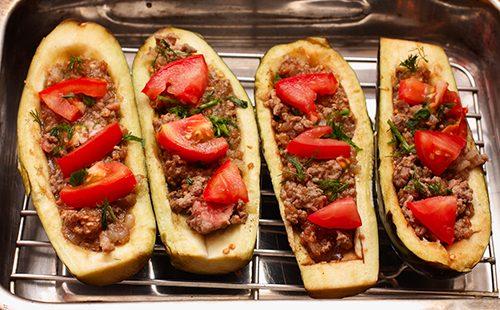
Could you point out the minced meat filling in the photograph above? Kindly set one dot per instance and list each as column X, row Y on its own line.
column 413, row 181
column 186, row 181
column 304, row 189
column 83, row 227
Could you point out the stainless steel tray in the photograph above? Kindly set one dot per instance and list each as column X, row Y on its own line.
column 241, row 31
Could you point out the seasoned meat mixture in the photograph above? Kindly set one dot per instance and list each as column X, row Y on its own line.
column 412, row 180
column 308, row 184
column 83, row 227
column 186, row 181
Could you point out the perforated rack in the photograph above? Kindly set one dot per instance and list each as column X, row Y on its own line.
column 259, row 279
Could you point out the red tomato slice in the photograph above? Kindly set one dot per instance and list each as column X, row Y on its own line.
column 441, row 89
column 192, row 139
column 65, row 107
column 300, row 91
column 91, row 151
column 413, row 92
column 450, row 97
column 437, row 150
column 340, row 214
column 459, row 128
column 438, row 215
column 105, row 181
column 226, row 185
column 185, row 79
column 309, row 145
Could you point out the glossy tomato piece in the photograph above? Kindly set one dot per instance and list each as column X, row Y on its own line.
column 309, row 145
column 91, row 151
column 450, row 97
column 340, row 214
column 437, row 214
column 186, row 79
column 192, row 139
column 441, row 89
column 300, row 91
column 437, row 150
column 226, row 185
column 68, row 108
column 413, row 92
column 105, row 181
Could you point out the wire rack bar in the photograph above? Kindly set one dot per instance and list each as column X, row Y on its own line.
column 255, row 285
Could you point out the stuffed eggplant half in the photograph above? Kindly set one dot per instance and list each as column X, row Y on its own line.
column 318, row 144
column 80, row 154
column 435, row 203
column 202, row 152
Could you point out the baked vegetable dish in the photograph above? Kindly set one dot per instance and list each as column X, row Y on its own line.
column 202, row 152
column 80, row 154
column 435, row 202
column 318, row 144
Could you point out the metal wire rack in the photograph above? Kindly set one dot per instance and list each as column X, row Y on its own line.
column 254, row 282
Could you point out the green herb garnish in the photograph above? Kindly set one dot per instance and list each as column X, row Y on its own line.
column 180, row 111
column 421, row 115
column 418, row 186
column 75, row 60
column 189, row 181
column 166, row 99
column 410, row 63
column 241, row 103
column 277, row 77
column 88, row 101
column 131, row 137
column 60, row 128
column 436, row 189
column 338, row 133
column 78, row 177
column 57, row 150
column 206, row 105
column 398, row 137
column 68, row 96
column 106, row 214
column 221, row 125
column 36, row 117
column 345, row 112
column 332, row 187
column 298, row 167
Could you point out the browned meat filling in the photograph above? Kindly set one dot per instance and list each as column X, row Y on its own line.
column 186, row 181
column 413, row 181
column 304, row 192
column 83, row 227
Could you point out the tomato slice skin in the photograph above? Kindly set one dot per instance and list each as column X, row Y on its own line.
column 300, row 91
column 226, row 185
column 441, row 89
column 438, row 214
column 340, row 214
column 106, row 181
column 52, row 95
column 192, row 138
column 309, row 145
column 186, row 79
column 91, row 151
column 414, row 92
column 437, row 150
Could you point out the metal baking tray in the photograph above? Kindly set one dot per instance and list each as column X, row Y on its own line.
column 241, row 31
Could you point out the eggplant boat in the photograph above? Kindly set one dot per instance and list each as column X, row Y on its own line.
column 435, row 204
column 202, row 152
column 318, row 144
column 80, row 154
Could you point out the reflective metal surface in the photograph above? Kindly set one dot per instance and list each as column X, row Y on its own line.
column 241, row 31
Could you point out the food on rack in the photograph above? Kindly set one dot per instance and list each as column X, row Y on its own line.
column 435, row 203
column 80, row 154
column 318, row 144
column 202, row 152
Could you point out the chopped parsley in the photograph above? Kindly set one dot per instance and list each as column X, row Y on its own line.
column 241, row 103
column 298, row 167
column 277, row 77
column 207, row 105
column 36, row 117
column 167, row 99
column 131, row 137
column 180, row 111
column 338, row 133
column 221, row 125
column 436, row 189
column 398, row 138
column 78, row 177
column 107, row 214
column 419, row 186
column 75, row 62
column 57, row 130
column 189, row 181
column 332, row 187
column 88, row 101
column 421, row 115
column 411, row 63
column 345, row 112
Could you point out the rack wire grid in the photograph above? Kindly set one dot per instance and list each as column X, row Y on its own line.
column 396, row 278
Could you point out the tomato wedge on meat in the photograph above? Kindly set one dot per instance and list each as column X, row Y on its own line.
column 105, row 181
column 437, row 150
column 91, row 151
column 340, row 214
column 226, row 185
column 437, row 214
column 441, row 89
column 192, row 139
column 309, row 145
column 413, row 92
column 300, row 91
column 459, row 128
column 186, row 79
column 60, row 97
